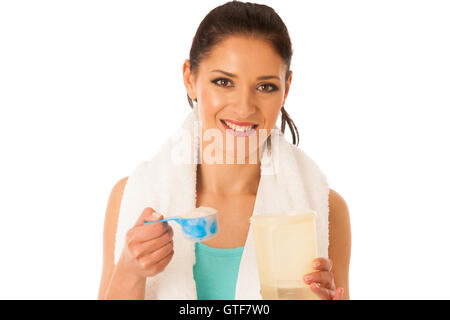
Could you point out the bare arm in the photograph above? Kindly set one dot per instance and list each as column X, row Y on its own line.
column 340, row 241
column 116, row 282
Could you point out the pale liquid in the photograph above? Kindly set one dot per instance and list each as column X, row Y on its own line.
column 285, row 248
column 274, row 293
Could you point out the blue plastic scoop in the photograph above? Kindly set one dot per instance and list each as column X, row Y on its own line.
column 196, row 229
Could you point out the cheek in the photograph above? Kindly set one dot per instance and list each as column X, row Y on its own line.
column 211, row 98
column 271, row 116
column 211, row 104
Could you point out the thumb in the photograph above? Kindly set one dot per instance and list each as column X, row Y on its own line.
column 148, row 214
column 155, row 216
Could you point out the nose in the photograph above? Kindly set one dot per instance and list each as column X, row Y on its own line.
column 245, row 105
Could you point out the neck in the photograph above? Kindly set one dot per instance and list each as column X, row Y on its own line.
column 228, row 179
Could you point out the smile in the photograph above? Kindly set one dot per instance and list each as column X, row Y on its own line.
column 239, row 130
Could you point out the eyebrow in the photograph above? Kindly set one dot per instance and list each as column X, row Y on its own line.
column 234, row 76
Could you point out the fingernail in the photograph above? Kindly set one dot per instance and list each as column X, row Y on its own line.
column 307, row 278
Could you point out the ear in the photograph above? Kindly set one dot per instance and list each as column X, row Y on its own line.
column 189, row 80
column 288, row 85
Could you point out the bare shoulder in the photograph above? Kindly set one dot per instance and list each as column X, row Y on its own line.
column 339, row 216
column 339, row 249
column 338, row 206
column 117, row 190
column 109, row 232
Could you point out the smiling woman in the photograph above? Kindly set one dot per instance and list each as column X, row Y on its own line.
column 237, row 80
column 252, row 21
column 248, row 96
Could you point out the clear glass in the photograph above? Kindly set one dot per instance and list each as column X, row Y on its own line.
column 285, row 247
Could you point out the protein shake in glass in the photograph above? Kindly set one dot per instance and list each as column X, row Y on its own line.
column 285, row 247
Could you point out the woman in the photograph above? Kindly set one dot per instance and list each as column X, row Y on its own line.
column 239, row 76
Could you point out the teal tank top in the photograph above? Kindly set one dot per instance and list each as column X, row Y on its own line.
column 216, row 271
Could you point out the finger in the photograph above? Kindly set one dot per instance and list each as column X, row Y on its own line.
column 322, row 293
column 149, row 246
column 146, row 215
column 149, row 231
column 325, row 278
column 323, row 264
column 153, row 258
column 339, row 295
column 161, row 264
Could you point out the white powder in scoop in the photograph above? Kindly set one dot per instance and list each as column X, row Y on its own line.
column 201, row 212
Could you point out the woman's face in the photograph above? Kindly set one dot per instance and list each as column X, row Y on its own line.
column 241, row 80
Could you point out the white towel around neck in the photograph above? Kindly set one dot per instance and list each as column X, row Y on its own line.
column 167, row 183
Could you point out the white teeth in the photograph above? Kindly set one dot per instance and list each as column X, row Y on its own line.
column 238, row 128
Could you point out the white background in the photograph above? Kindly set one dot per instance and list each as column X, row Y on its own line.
column 90, row 88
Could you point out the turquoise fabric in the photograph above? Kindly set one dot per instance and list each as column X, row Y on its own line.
column 216, row 271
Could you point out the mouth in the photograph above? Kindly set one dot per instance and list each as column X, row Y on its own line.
column 240, row 129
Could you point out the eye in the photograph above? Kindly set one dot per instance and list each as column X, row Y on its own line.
column 221, row 82
column 265, row 85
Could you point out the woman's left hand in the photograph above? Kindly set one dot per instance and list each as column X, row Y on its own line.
column 322, row 281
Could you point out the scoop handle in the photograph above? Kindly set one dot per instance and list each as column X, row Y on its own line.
column 147, row 222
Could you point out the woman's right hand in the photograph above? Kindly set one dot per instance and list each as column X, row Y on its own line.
column 148, row 248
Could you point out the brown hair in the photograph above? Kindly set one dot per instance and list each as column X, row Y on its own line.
column 236, row 17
